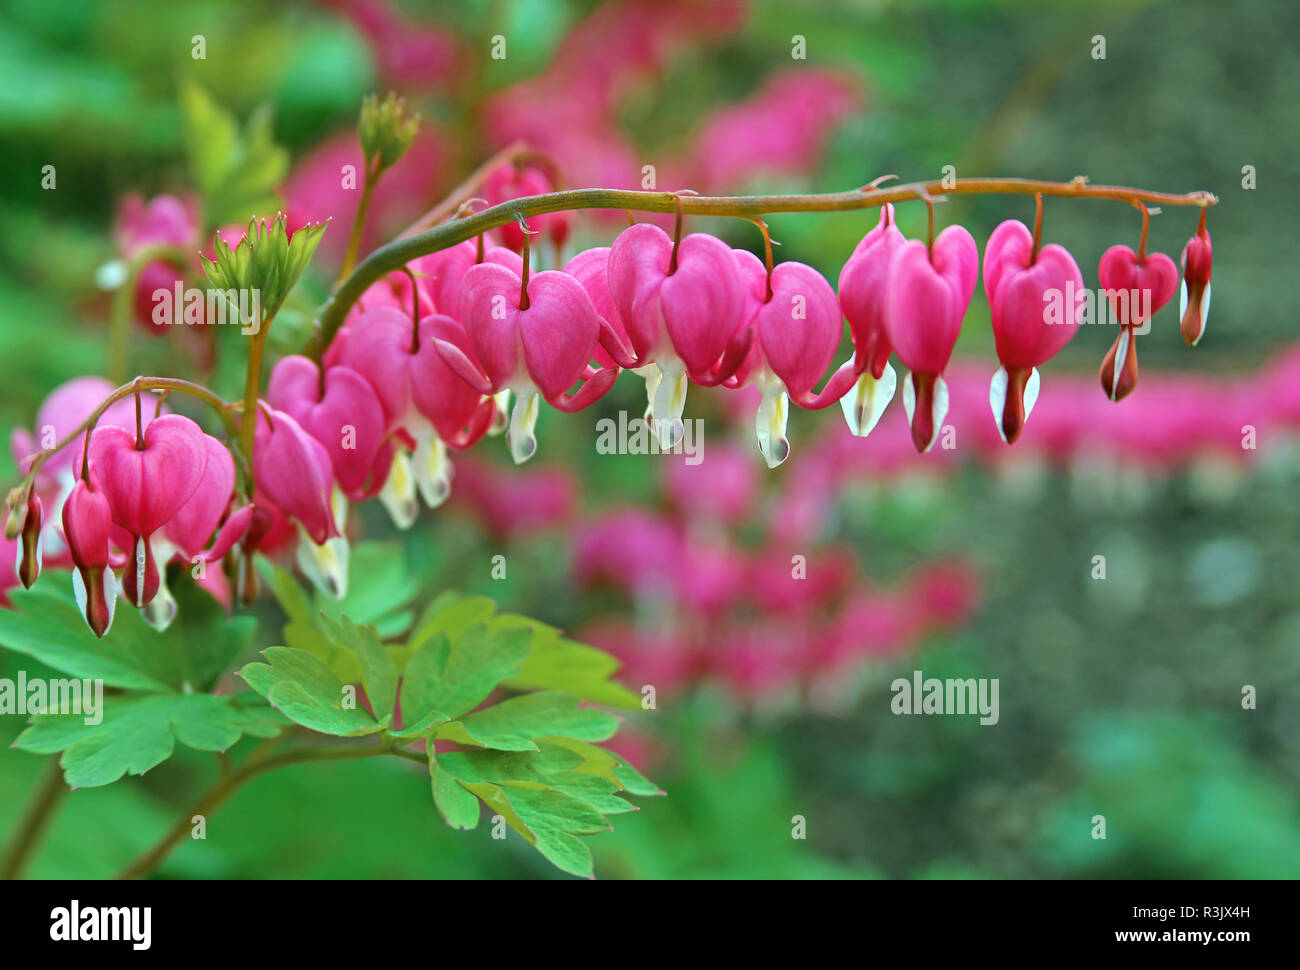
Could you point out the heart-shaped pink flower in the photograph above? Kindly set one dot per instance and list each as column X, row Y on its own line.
column 1146, row 284
column 691, row 310
column 87, row 523
column 863, row 287
column 533, row 340
column 1023, row 289
column 929, row 291
column 293, row 472
column 347, row 418
column 146, row 483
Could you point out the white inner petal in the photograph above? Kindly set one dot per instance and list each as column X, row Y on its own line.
column 398, row 494
column 866, row 402
column 520, row 438
column 432, row 470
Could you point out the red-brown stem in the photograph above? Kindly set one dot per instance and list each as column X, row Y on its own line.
column 767, row 255
column 1146, row 225
column 523, row 284
column 139, row 423
column 677, row 238
column 1038, row 226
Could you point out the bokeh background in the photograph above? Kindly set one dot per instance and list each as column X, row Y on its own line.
column 1119, row 697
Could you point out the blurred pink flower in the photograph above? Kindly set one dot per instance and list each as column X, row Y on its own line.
column 782, row 129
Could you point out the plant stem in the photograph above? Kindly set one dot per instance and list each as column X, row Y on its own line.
column 257, row 763
column 119, row 321
column 45, row 800
column 252, row 386
column 173, row 384
column 396, row 254
column 359, row 221
column 515, row 152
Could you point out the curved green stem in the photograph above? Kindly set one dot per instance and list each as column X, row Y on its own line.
column 396, row 254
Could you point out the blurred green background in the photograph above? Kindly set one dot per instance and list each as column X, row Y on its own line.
column 1119, row 698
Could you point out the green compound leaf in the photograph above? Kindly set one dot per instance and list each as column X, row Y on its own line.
column 378, row 674
column 552, row 662
column 454, row 678
column 512, row 724
column 139, row 733
column 305, row 690
column 564, row 789
column 45, row 623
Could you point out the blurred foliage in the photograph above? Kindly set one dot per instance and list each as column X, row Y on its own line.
column 1119, row 698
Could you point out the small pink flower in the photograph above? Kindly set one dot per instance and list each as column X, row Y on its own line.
column 347, row 418
column 1194, row 294
column 929, row 291
column 682, row 318
column 293, row 470
column 1019, row 282
column 535, row 341
column 1136, row 289
column 146, row 481
column 87, row 520
column 164, row 221
column 28, row 562
column 296, row 480
column 420, row 395
column 863, row 292
column 797, row 330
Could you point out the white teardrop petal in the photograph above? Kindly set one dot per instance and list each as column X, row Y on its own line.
column 398, row 494
column 1032, row 387
column 998, row 399
column 523, row 420
column 770, row 423
column 432, row 471
column 867, row 400
column 669, row 403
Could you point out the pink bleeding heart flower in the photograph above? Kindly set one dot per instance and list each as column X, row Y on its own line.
column 1031, row 293
column 1194, row 294
column 422, row 395
column 87, row 521
column 185, row 537
column 27, row 564
column 146, row 479
column 515, row 182
column 682, row 311
column 929, row 291
column 1136, row 286
column 719, row 493
column 863, row 291
column 206, row 511
column 591, row 268
column 798, row 328
column 533, row 336
column 347, row 418
column 164, row 221
column 439, row 275
column 295, row 478
column 292, row 469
